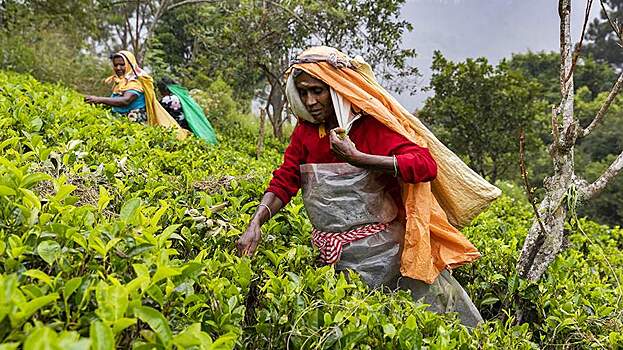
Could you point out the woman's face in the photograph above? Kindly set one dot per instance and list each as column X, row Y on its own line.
column 316, row 96
column 118, row 64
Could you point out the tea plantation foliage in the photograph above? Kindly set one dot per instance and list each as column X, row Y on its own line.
column 113, row 234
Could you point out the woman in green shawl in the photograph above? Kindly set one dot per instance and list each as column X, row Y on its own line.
column 188, row 114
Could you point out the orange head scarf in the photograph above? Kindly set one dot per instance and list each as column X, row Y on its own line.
column 458, row 194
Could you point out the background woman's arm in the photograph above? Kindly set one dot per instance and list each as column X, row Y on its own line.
column 121, row 101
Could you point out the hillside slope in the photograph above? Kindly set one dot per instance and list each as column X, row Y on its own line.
column 113, row 234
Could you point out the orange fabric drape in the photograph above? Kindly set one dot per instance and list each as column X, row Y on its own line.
column 431, row 242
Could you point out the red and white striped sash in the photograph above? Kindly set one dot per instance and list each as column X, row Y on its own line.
column 330, row 243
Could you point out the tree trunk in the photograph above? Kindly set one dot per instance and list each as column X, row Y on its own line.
column 277, row 102
column 3, row 15
column 545, row 238
column 137, row 39
column 260, row 140
column 494, row 170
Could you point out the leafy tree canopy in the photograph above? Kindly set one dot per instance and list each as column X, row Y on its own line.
column 478, row 110
column 254, row 40
column 545, row 67
column 603, row 42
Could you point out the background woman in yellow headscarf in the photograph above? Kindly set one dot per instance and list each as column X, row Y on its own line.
column 133, row 94
column 128, row 97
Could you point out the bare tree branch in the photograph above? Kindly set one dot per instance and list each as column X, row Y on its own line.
column 613, row 170
column 138, row 32
column 159, row 12
column 604, row 108
column 121, row 36
column 614, row 26
column 147, row 9
column 555, row 130
column 115, row 3
column 578, row 47
column 272, row 77
column 298, row 19
column 128, row 26
column 566, row 85
column 188, row 2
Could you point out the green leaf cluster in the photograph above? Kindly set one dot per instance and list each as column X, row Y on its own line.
column 116, row 235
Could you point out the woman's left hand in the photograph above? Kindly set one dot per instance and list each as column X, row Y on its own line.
column 343, row 147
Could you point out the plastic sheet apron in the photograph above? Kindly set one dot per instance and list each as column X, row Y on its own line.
column 339, row 197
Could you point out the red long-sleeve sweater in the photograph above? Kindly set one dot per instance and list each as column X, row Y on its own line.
column 415, row 163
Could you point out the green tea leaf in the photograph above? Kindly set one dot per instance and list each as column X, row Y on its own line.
column 71, row 286
column 163, row 272
column 141, row 282
column 49, row 251
column 158, row 214
column 72, row 341
column 129, row 209
column 122, row 323
column 164, row 236
column 112, row 301
column 225, row 342
column 243, row 269
column 104, row 198
column 156, row 293
column 30, row 199
column 411, row 322
column 29, row 308
column 157, row 322
column 489, row 301
column 192, row 336
column 31, row 179
column 42, row 338
column 389, row 330
column 63, row 192
column 7, row 191
column 40, row 275
column 139, row 249
column 102, row 337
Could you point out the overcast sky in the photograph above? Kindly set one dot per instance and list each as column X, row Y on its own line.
column 491, row 28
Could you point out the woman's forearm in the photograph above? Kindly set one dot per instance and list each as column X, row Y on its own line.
column 262, row 214
column 114, row 101
column 374, row 162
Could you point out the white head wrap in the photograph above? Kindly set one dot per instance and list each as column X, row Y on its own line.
column 342, row 107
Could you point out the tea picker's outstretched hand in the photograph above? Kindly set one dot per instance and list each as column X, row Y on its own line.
column 91, row 99
column 250, row 239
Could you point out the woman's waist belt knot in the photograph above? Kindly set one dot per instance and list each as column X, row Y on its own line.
column 330, row 243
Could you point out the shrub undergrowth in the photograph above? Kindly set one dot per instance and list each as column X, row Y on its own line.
column 116, row 235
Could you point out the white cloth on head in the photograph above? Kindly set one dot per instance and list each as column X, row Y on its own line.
column 342, row 106
column 294, row 100
column 343, row 112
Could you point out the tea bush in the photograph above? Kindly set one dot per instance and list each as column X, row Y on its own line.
column 115, row 235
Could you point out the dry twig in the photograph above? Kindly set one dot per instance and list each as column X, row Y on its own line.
column 524, row 175
column 604, row 108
